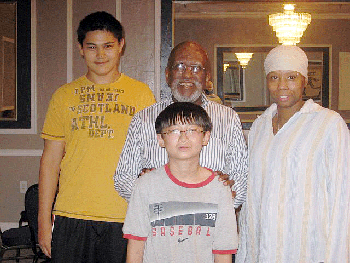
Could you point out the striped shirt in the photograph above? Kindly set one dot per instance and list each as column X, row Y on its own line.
column 298, row 196
column 225, row 152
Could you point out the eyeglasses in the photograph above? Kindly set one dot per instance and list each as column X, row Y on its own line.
column 181, row 68
column 176, row 133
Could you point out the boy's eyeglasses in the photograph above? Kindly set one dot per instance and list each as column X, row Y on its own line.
column 181, row 68
column 175, row 133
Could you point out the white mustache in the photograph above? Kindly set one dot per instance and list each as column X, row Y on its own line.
column 195, row 95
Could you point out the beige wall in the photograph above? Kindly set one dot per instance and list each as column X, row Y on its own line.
column 53, row 58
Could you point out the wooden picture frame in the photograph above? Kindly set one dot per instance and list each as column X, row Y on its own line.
column 22, row 119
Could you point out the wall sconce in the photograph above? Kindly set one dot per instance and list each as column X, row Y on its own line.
column 244, row 58
column 226, row 65
column 289, row 26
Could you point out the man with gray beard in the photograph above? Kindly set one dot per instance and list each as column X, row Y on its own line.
column 187, row 74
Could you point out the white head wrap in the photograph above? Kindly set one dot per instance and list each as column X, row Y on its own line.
column 286, row 58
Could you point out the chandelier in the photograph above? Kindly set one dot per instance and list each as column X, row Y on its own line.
column 289, row 26
column 244, row 58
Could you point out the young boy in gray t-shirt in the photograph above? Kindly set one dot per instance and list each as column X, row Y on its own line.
column 179, row 213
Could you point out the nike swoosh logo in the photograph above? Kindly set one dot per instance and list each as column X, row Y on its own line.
column 182, row 240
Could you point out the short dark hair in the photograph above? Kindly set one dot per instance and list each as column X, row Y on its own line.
column 100, row 21
column 183, row 113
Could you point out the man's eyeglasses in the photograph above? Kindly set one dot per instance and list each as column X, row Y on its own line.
column 195, row 69
column 176, row 133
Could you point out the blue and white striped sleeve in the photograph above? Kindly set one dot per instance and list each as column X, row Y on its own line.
column 129, row 165
column 237, row 160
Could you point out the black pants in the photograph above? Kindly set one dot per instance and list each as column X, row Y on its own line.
column 86, row 241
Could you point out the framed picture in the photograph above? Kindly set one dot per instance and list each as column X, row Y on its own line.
column 8, row 80
column 15, row 64
column 313, row 88
column 232, row 81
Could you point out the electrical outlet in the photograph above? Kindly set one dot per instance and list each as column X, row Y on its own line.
column 23, row 185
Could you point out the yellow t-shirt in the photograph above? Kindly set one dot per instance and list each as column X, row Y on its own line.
column 93, row 120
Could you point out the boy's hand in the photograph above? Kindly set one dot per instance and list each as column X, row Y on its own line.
column 146, row 170
column 226, row 181
column 45, row 237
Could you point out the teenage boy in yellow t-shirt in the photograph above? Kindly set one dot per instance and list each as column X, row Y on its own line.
column 84, row 132
column 179, row 212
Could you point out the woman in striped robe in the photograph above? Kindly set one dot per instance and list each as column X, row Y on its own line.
column 298, row 198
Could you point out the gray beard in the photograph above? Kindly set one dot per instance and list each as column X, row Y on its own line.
column 180, row 98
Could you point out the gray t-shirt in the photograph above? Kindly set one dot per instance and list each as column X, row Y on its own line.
column 181, row 222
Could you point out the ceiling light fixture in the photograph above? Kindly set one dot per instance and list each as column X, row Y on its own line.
column 289, row 26
column 244, row 58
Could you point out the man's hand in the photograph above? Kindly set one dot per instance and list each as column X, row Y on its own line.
column 226, row 181
column 146, row 170
column 45, row 237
